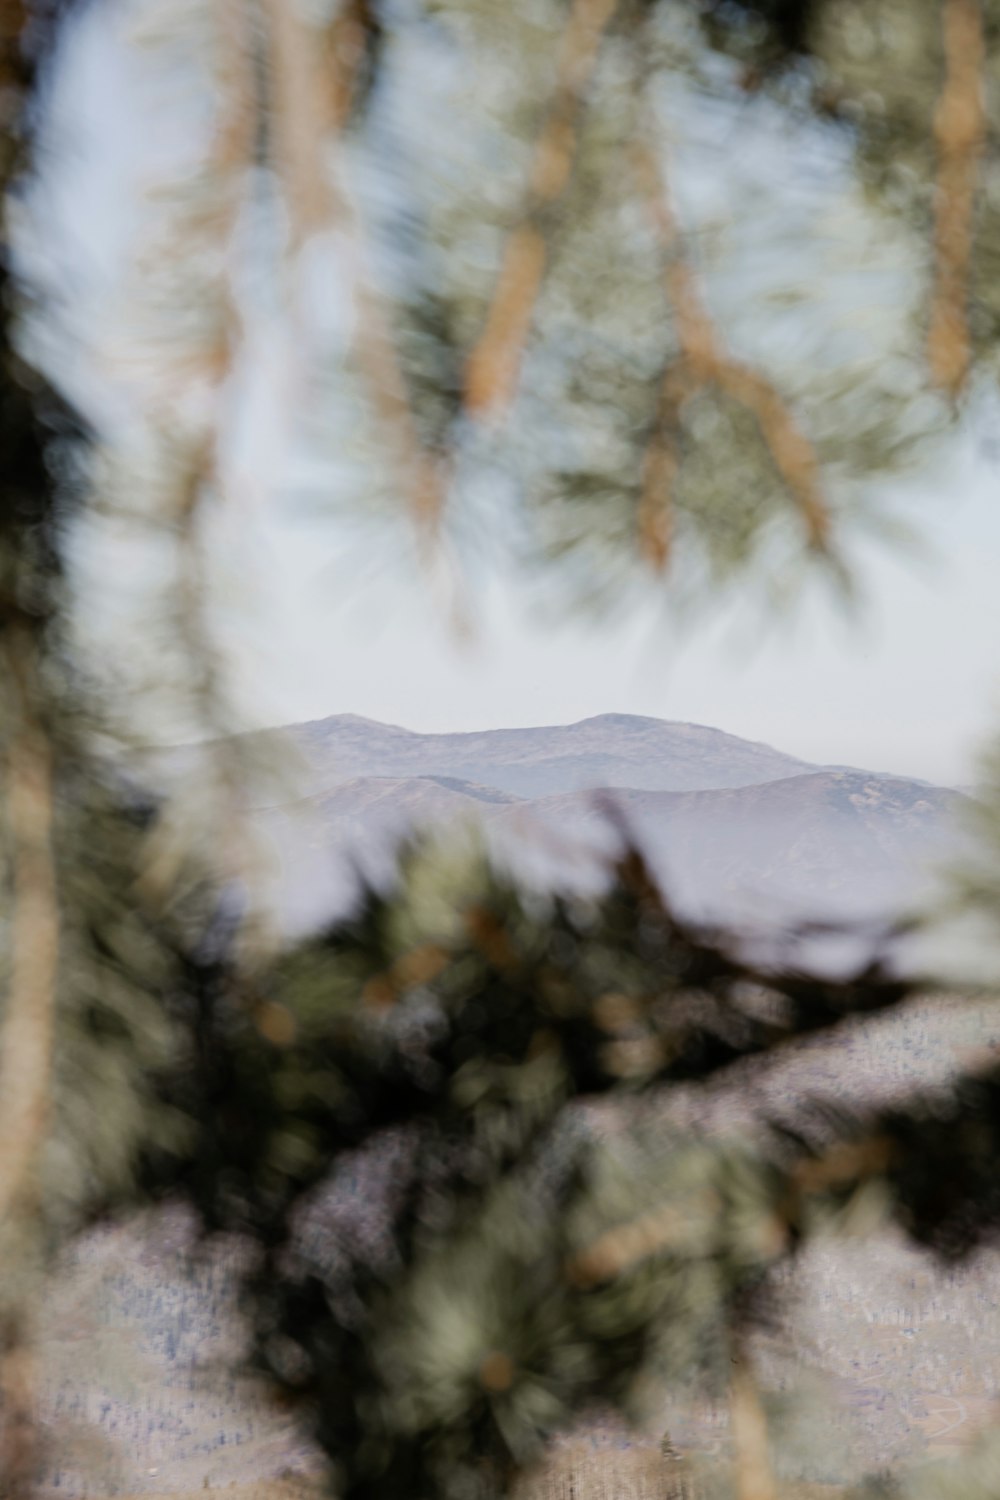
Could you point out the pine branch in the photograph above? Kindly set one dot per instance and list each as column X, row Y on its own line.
column 495, row 362
column 934, row 1154
column 189, row 440
column 705, row 361
column 481, row 1033
column 310, row 103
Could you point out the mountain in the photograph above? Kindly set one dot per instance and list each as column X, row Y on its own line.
column 321, row 844
column 837, row 845
column 737, row 832
column 609, row 750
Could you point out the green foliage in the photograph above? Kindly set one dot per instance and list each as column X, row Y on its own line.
column 524, row 1264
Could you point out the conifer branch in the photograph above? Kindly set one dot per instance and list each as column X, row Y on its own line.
column 704, row 360
column 310, row 103
column 353, row 33
column 495, row 362
column 302, row 110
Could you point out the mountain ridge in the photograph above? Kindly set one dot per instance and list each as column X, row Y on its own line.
column 602, row 750
column 737, row 831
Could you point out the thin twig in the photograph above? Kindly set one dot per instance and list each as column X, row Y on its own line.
column 495, row 362
column 655, row 519
column 959, row 132
column 232, row 152
column 18, row 1423
column 347, row 37
column 752, row 1459
column 27, row 1038
column 846, row 1163
column 674, row 1228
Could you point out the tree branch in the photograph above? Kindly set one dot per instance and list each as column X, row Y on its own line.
column 26, row 1041
column 495, row 362
column 705, row 361
column 310, row 103
column 959, row 133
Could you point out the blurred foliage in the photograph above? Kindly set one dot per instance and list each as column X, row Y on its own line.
column 914, row 86
column 527, row 1261
column 523, row 1263
column 549, row 279
column 535, row 336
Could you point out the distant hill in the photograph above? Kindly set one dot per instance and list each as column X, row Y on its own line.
column 609, row 750
column 836, row 845
column 738, row 832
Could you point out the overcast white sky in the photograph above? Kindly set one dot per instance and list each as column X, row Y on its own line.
column 911, row 685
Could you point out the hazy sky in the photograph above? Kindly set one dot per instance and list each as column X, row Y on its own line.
column 910, row 684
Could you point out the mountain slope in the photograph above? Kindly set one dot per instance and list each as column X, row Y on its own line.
column 739, row 832
column 831, row 844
